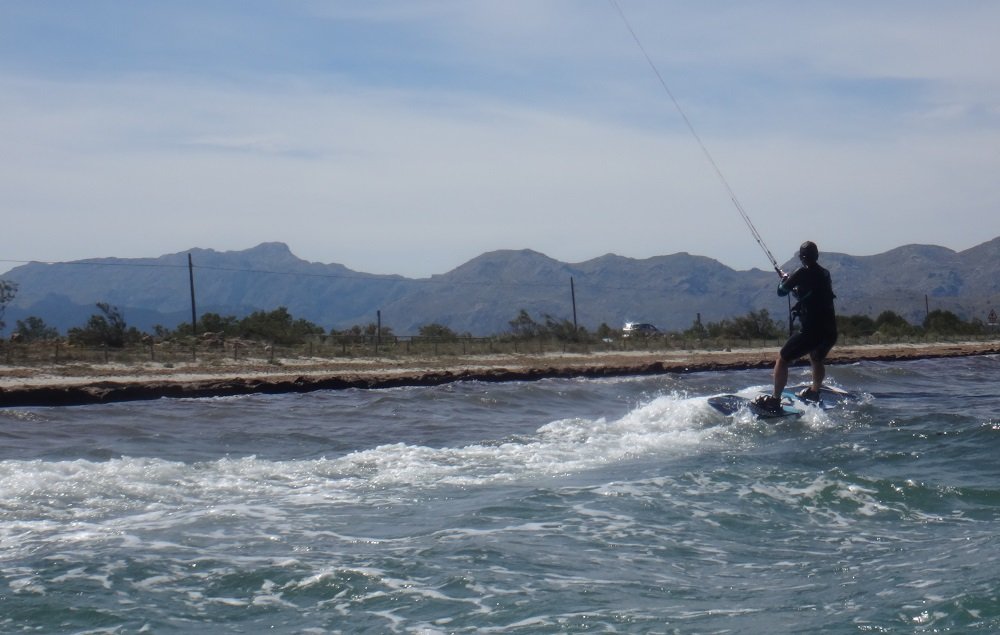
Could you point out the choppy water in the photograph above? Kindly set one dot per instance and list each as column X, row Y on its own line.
column 562, row 506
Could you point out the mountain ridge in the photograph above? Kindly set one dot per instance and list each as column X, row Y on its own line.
column 482, row 295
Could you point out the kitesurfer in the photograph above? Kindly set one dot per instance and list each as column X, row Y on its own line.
column 810, row 284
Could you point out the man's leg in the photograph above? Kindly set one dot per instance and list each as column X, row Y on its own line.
column 818, row 370
column 780, row 375
column 817, row 359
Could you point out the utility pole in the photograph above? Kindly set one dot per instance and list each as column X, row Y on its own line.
column 572, row 293
column 194, row 313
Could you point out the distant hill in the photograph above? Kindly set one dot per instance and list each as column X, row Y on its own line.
column 483, row 295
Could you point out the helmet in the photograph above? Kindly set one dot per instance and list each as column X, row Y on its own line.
column 808, row 252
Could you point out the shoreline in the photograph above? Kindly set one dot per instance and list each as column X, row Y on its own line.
column 82, row 385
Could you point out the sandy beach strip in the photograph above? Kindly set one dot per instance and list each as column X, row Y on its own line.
column 61, row 385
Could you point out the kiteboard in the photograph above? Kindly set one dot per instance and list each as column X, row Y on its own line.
column 729, row 405
column 829, row 396
column 792, row 406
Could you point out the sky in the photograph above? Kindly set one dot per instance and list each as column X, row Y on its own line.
column 407, row 137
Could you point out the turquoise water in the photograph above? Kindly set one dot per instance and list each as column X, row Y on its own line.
column 559, row 506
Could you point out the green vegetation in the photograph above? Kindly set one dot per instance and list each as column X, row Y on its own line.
column 947, row 323
column 276, row 327
column 368, row 331
column 438, row 331
column 755, row 325
column 107, row 328
column 889, row 324
column 279, row 327
column 34, row 329
column 106, row 336
column 525, row 327
column 8, row 290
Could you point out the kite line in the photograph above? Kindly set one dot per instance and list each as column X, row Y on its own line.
column 708, row 155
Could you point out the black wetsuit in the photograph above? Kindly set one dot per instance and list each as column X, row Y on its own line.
column 812, row 286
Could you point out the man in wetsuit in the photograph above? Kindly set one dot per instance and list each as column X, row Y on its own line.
column 812, row 286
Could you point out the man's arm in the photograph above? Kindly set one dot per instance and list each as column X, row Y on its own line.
column 788, row 282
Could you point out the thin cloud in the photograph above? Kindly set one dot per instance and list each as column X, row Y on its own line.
column 401, row 137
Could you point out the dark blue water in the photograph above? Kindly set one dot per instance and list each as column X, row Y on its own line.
column 562, row 506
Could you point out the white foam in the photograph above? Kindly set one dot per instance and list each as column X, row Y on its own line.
column 568, row 445
column 122, row 500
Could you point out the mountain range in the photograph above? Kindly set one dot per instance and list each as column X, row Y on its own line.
column 483, row 295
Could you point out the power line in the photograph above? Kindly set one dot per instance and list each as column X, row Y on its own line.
column 95, row 264
column 732, row 194
column 370, row 278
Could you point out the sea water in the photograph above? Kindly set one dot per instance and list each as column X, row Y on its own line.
column 558, row 506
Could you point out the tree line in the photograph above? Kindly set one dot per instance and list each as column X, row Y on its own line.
column 889, row 324
column 108, row 327
column 279, row 327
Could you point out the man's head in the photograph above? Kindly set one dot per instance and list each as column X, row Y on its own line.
column 808, row 253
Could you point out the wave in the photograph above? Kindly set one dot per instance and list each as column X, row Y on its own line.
column 66, row 490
